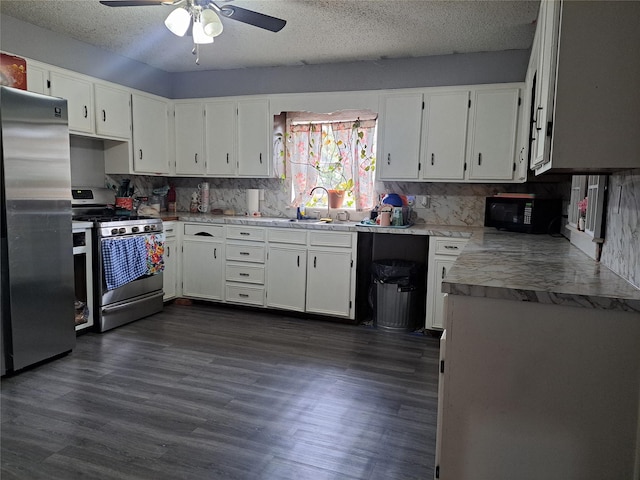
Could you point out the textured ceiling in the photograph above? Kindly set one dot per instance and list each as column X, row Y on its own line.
column 317, row 32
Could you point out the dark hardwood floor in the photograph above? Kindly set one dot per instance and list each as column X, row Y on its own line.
column 211, row 392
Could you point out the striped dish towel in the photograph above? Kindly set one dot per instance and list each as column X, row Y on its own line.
column 123, row 260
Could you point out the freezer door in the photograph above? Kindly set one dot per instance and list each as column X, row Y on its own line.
column 36, row 182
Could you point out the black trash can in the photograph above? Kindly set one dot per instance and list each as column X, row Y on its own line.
column 398, row 288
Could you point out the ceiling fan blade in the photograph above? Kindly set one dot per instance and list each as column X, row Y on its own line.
column 130, row 3
column 250, row 17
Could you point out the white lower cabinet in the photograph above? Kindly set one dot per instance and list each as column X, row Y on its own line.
column 170, row 272
column 442, row 255
column 203, row 261
column 287, row 269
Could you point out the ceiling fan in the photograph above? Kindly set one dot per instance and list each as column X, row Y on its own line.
column 201, row 18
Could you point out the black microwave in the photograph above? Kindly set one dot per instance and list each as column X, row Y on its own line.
column 526, row 215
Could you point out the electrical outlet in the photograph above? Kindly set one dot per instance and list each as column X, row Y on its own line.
column 425, row 201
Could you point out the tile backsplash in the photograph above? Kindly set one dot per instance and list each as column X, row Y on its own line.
column 449, row 203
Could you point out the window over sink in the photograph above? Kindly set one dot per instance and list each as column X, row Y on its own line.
column 335, row 151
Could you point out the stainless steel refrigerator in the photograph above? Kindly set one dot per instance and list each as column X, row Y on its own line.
column 36, row 261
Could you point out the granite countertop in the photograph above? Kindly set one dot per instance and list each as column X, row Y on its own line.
column 339, row 226
column 537, row 268
column 495, row 264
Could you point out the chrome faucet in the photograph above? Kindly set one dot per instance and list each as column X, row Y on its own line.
column 327, row 192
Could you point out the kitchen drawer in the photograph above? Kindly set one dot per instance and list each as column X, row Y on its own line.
column 239, row 232
column 450, row 246
column 245, row 273
column 246, row 252
column 247, row 294
column 204, row 230
column 330, row 239
column 169, row 228
column 287, row 235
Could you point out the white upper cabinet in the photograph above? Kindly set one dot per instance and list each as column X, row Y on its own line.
column 189, row 140
column 150, row 128
column 113, row 111
column 400, row 124
column 587, row 80
column 445, row 135
column 254, row 132
column 79, row 95
column 37, row 77
column 492, row 134
column 220, row 138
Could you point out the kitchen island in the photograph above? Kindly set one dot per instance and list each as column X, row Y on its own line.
column 540, row 364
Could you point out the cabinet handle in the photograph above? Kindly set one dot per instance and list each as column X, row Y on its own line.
column 433, row 158
column 196, row 156
column 242, row 274
column 104, row 115
column 168, row 251
column 227, row 159
column 443, row 272
column 479, row 158
column 261, row 157
column 315, row 259
column 140, row 154
column 537, row 120
column 388, row 159
column 215, row 253
column 86, row 112
column 245, row 253
column 243, row 295
column 298, row 260
column 451, row 247
column 245, row 233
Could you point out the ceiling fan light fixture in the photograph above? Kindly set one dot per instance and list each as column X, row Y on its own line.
column 199, row 36
column 178, row 21
column 211, row 23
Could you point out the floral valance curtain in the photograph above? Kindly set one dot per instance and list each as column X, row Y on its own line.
column 333, row 155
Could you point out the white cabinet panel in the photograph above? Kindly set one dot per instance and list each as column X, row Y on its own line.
column 401, row 130
column 203, row 269
column 329, row 281
column 189, row 128
column 113, row 112
column 286, row 277
column 150, row 127
column 445, row 136
column 220, row 138
column 492, row 136
column 254, row 131
column 79, row 95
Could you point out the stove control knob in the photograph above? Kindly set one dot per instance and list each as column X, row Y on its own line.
column 122, row 230
column 134, row 229
column 146, row 228
column 153, row 227
column 114, row 231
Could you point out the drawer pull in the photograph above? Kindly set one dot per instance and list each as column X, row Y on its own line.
column 443, row 272
column 245, row 233
column 298, row 260
column 433, row 159
column 388, row 159
column 451, row 247
column 245, row 253
column 243, row 295
column 215, row 253
column 242, row 274
column 227, row 159
column 86, row 112
column 315, row 259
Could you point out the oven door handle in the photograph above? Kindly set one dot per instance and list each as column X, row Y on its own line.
column 127, row 304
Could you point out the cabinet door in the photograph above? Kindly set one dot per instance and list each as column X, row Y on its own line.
column 493, row 134
column 545, row 80
column 401, row 126
column 37, row 78
column 329, row 282
column 286, row 277
column 203, row 269
column 253, row 138
column 189, row 128
column 445, row 135
column 149, row 135
column 78, row 93
column 438, row 269
column 113, row 112
column 170, row 266
column 220, row 138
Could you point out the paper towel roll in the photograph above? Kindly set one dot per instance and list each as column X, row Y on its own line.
column 253, row 201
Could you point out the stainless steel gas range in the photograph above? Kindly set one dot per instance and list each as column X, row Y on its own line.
column 138, row 295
